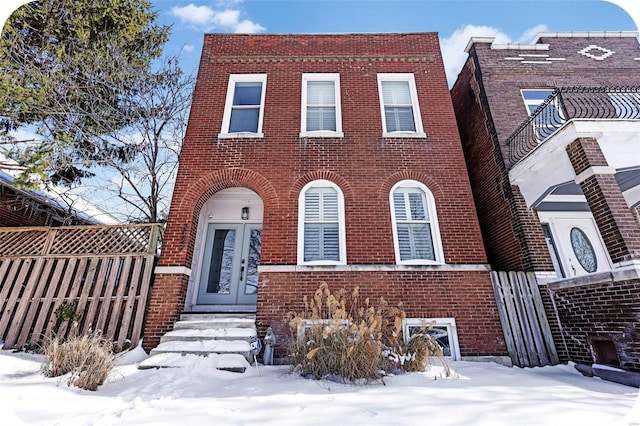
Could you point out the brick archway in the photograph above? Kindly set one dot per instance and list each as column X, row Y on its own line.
column 183, row 220
column 425, row 179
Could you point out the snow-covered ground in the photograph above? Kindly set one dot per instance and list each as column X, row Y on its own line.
column 482, row 394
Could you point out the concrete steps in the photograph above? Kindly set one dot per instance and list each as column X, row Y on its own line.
column 223, row 338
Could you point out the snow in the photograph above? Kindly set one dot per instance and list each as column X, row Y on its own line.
column 197, row 394
column 237, row 332
column 206, row 346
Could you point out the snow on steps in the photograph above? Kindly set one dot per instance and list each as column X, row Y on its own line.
column 229, row 362
column 224, row 338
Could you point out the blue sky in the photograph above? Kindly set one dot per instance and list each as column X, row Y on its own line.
column 456, row 21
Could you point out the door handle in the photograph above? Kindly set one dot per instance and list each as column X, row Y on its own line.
column 241, row 269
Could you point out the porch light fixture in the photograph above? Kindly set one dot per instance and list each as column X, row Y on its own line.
column 245, row 213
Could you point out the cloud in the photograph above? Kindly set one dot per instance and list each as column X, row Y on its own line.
column 194, row 15
column 528, row 36
column 226, row 18
column 205, row 18
column 452, row 47
column 188, row 48
column 248, row 27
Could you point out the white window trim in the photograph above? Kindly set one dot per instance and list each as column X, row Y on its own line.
column 449, row 323
column 306, row 324
column 534, row 102
column 226, row 118
column 335, row 78
column 435, row 229
column 341, row 225
column 417, row 118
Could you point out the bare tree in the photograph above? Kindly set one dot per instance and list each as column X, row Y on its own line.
column 109, row 115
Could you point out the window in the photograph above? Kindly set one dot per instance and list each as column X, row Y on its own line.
column 443, row 330
column 321, row 114
column 553, row 250
column 244, row 107
column 549, row 119
column 415, row 226
column 321, row 232
column 399, row 106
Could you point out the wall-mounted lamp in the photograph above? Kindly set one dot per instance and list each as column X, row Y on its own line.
column 245, row 213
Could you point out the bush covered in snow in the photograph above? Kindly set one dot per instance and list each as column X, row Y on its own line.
column 341, row 337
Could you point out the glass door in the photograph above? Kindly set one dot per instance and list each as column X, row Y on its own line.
column 230, row 264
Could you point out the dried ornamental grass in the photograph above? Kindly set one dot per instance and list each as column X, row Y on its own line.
column 87, row 358
column 340, row 337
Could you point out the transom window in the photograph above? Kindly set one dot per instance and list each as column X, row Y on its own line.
column 244, row 106
column 415, row 226
column 399, row 106
column 321, row 114
column 321, row 232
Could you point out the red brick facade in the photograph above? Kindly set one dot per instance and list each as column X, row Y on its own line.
column 363, row 164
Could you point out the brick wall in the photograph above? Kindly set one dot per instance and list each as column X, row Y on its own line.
column 363, row 164
column 12, row 214
column 489, row 108
column 617, row 224
column 607, row 310
column 512, row 233
column 466, row 296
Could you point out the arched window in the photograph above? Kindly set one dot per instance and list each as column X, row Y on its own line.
column 321, row 231
column 415, row 225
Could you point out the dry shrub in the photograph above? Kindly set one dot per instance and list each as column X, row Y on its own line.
column 88, row 358
column 340, row 337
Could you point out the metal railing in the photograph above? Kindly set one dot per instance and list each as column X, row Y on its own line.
column 566, row 103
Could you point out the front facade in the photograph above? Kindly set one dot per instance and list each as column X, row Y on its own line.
column 334, row 158
column 551, row 136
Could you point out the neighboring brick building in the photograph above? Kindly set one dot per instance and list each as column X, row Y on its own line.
column 333, row 158
column 19, row 207
column 551, row 136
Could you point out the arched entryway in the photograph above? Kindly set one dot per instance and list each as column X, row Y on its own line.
column 227, row 252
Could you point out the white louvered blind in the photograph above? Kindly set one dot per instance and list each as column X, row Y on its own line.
column 398, row 107
column 321, row 220
column 412, row 224
column 321, row 105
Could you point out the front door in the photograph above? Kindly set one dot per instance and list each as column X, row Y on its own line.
column 230, row 264
column 581, row 248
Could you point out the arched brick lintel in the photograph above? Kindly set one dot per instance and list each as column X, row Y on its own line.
column 425, row 179
column 204, row 188
column 344, row 185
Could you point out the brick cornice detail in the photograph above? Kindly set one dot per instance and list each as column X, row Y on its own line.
column 319, row 59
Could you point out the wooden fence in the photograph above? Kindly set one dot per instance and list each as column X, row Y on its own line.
column 526, row 329
column 100, row 273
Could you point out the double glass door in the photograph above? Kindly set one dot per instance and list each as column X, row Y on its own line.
column 230, row 264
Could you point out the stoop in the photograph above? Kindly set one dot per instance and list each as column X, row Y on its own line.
column 222, row 340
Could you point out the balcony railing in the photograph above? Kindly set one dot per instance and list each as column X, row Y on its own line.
column 567, row 103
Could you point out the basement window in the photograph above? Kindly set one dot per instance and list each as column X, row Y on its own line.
column 441, row 329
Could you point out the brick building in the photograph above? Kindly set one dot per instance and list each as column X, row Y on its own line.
column 551, row 137
column 334, row 158
column 20, row 207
